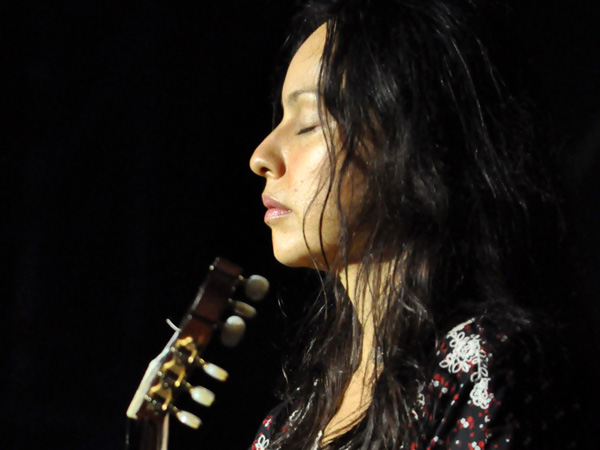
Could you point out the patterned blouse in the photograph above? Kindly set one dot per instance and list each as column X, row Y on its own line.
column 489, row 390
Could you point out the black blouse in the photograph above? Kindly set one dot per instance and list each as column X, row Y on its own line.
column 489, row 390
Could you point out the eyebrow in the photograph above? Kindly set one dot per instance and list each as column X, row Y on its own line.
column 293, row 96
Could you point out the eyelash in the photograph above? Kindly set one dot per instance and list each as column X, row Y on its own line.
column 307, row 129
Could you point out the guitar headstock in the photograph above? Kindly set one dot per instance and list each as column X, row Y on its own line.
column 214, row 312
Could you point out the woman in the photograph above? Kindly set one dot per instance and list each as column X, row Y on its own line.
column 400, row 170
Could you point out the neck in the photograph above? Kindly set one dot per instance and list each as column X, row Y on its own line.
column 362, row 299
column 357, row 397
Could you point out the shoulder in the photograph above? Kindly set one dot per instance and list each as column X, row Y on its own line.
column 463, row 360
column 491, row 387
column 479, row 353
column 263, row 436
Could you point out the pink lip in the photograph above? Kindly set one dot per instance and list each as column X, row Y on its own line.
column 275, row 209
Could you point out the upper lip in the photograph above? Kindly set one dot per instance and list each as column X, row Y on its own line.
column 271, row 203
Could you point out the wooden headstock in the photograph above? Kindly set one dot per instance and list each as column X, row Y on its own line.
column 214, row 312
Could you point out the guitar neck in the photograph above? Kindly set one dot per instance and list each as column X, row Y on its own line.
column 147, row 434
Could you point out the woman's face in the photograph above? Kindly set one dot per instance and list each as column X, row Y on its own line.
column 294, row 160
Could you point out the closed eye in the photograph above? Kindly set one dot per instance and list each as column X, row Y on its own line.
column 307, row 129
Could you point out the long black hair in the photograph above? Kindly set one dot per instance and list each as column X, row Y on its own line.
column 444, row 223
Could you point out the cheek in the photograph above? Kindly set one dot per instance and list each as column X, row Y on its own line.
column 315, row 225
column 308, row 160
column 351, row 199
column 308, row 171
column 322, row 222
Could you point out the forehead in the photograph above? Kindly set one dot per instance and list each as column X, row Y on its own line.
column 303, row 72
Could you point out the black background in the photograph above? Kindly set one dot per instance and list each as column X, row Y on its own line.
column 127, row 132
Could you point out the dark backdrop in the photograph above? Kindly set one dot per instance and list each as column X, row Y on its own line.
column 127, row 131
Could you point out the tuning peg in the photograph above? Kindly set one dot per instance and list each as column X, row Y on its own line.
column 233, row 331
column 187, row 418
column 243, row 309
column 256, row 287
column 213, row 370
column 201, row 395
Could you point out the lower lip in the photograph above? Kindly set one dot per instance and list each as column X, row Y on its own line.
column 275, row 213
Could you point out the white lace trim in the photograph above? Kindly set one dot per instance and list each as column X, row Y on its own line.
column 262, row 443
column 466, row 356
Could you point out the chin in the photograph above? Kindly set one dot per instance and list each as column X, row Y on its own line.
column 292, row 258
column 298, row 253
column 295, row 257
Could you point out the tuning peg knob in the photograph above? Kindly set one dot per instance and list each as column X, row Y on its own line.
column 233, row 331
column 201, row 395
column 256, row 287
column 212, row 370
column 243, row 309
column 188, row 419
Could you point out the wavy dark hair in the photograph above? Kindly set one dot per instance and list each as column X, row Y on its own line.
column 447, row 158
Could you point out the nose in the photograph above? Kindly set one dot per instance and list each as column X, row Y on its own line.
column 267, row 160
